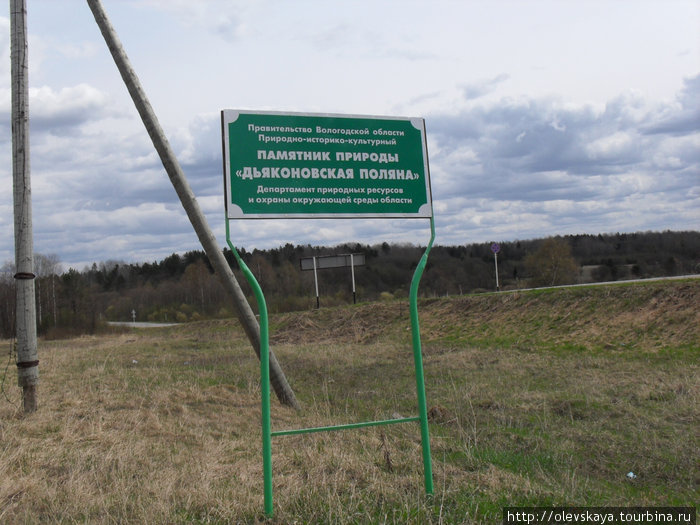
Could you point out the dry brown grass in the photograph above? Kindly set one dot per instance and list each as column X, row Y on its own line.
column 556, row 410
column 175, row 437
column 112, row 442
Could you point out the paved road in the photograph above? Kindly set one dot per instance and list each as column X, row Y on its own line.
column 140, row 325
column 622, row 281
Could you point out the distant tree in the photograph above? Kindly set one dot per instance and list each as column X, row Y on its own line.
column 552, row 264
column 289, row 279
column 172, row 266
column 670, row 266
column 46, row 268
column 74, row 303
column 7, row 300
column 196, row 284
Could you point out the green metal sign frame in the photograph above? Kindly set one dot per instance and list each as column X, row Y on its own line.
column 258, row 188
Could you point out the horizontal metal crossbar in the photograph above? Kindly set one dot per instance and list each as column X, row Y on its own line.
column 344, row 427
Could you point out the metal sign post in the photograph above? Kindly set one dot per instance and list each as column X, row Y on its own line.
column 495, row 248
column 318, row 303
column 352, row 276
column 293, row 165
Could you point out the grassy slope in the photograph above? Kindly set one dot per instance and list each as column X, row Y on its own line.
column 538, row 398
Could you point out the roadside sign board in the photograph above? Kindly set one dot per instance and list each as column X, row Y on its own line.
column 332, row 261
column 495, row 248
column 304, row 165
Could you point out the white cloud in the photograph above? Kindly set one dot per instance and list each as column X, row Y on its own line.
column 222, row 18
column 524, row 141
column 480, row 88
column 4, row 49
column 619, row 144
column 68, row 106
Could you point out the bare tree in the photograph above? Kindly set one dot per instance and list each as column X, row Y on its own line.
column 8, row 299
column 177, row 177
column 46, row 267
column 552, row 264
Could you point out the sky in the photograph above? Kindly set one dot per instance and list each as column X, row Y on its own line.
column 542, row 117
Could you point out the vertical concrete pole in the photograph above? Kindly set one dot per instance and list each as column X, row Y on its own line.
column 27, row 360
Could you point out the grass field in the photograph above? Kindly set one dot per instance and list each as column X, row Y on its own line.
column 537, row 398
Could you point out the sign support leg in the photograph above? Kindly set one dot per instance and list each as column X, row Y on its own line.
column 495, row 262
column 318, row 303
column 418, row 360
column 264, row 376
column 352, row 273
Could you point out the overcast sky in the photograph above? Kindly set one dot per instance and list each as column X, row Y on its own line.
column 542, row 117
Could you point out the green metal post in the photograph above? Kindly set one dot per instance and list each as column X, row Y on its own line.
column 345, row 427
column 418, row 360
column 264, row 376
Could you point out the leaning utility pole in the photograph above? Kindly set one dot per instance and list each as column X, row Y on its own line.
column 284, row 392
column 27, row 362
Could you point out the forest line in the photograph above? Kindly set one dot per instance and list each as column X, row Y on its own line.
column 182, row 288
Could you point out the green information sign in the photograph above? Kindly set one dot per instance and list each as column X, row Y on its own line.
column 289, row 165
